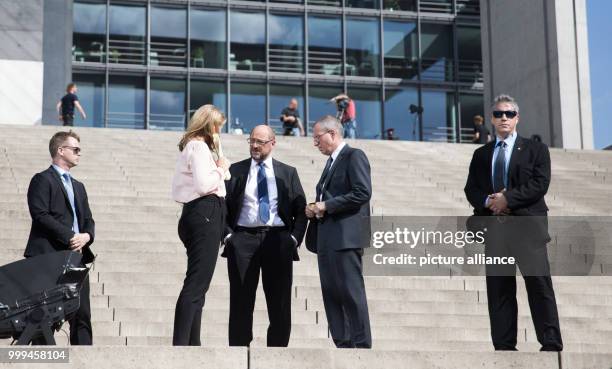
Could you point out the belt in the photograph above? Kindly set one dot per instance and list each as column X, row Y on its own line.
column 261, row 229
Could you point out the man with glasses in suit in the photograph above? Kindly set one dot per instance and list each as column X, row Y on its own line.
column 506, row 184
column 265, row 225
column 338, row 231
column 62, row 220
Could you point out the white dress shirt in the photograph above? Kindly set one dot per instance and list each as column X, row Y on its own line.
column 249, row 215
column 336, row 152
column 334, row 156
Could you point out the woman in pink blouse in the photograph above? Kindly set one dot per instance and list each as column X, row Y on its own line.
column 198, row 184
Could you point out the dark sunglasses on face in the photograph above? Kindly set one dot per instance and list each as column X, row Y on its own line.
column 75, row 150
column 500, row 113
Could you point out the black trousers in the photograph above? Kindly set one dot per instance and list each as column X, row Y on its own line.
column 80, row 324
column 271, row 251
column 68, row 120
column 344, row 297
column 200, row 229
column 532, row 259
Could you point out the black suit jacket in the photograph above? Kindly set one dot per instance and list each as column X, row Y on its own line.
column 291, row 199
column 52, row 216
column 347, row 193
column 528, row 181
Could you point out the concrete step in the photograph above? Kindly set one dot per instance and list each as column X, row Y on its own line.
column 104, row 357
column 270, row 358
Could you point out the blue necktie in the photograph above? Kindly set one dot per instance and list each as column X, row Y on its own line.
column 499, row 168
column 68, row 186
column 262, row 194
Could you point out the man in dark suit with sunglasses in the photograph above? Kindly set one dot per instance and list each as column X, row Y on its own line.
column 507, row 181
column 62, row 220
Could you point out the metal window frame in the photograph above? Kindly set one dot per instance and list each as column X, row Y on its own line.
column 382, row 83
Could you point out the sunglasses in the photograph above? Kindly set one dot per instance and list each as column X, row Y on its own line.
column 509, row 114
column 75, row 150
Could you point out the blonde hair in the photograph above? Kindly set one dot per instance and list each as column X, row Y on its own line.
column 203, row 123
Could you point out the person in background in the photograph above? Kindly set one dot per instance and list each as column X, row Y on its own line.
column 65, row 107
column 391, row 135
column 346, row 114
column 198, row 184
column 290, row 117
column 481, row 133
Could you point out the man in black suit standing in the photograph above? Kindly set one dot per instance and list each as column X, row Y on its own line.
column 507, row 181
column 265, row 225
column 338, row 231
column 62, row 220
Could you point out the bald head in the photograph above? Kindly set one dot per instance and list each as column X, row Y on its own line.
column 262, row 142
column 265, row 130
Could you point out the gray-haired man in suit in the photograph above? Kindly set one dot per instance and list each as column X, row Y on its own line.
column 339, row 229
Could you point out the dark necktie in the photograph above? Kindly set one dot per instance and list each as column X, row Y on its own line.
column 324, row 177
column 499, row 168
column 262, row 194
column 326, row 170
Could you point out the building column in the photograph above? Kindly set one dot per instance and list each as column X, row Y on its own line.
column 537, row 51
column 57, row 55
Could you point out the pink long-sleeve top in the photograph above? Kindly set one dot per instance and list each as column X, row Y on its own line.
column 196, row 174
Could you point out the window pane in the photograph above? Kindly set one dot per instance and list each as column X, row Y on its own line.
column 468, row 8
column 288, row 1
column 248, row 103
column 368, row 4
column 91, row 98
column 167, row 104
column 208, row 38
column 280, row 95
column 248, row 41
column 363, row 47
column 437, row 6
column 286, row 51
column 407, row 5
column 208, row 92
column 126, row 102
column 168, row 36
column 89, row 37
column 439, row 117
column 334, row 3
column 437, row 47
column 324, row 45
column 401, row 50
column 470, row 106
column 319, row 105
column 127, row 34
column 470, row 55
column 368, row 111
column 397, row 113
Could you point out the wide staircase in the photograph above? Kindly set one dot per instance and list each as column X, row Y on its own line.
column 417, row 322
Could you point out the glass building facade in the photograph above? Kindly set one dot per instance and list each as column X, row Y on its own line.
column 150, row 64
